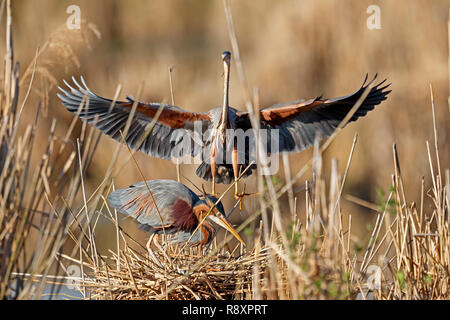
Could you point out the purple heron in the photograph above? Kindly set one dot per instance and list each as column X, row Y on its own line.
column 297, row 122
column 169, row 207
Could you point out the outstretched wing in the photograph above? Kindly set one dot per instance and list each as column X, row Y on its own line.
column 299, row 121
column 174, row 201
column 159, row 142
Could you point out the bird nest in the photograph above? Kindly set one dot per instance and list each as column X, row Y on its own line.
column 178, row 275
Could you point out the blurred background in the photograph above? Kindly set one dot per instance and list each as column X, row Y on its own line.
column 289, row 49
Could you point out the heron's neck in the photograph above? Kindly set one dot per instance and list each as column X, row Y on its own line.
column 200, row 211
column 206, row 230
column 224, row 116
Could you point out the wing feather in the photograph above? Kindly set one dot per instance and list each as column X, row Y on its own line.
column 299, row 121
column 158, row 143
column 173, row 200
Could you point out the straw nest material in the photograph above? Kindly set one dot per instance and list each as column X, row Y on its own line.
column 179, row 275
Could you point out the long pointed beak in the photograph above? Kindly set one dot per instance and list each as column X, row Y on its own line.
column 221, row 221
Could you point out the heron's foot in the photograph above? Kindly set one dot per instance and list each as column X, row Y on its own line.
column 153, row 240
column 150, row 250
column 162, row 250
column 154, row 258
column 240, row 196
column 213, row 191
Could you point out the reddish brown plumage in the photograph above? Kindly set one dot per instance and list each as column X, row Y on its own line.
column 279, row 115
column 172, row 118
column 187, row 219
column 206, row 229
column 183, row 216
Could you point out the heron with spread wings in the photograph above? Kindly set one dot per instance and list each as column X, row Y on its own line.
column 297, row 123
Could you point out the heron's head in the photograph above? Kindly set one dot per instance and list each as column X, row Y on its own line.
column 226, row 56
column 217, row 215
column 211, row 200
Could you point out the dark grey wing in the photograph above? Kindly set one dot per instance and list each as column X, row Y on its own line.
column 173, row 132
column 299, row 121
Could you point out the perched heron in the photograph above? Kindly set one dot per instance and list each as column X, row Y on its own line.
column 169, row 207
column 297, row 123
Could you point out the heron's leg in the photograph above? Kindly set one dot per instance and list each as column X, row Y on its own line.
column 213, row 169
column 234, row 159
column 150, row 250
column 157, row 245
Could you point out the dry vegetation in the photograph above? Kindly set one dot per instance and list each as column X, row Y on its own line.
column 316, row 260
column 306, row 230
